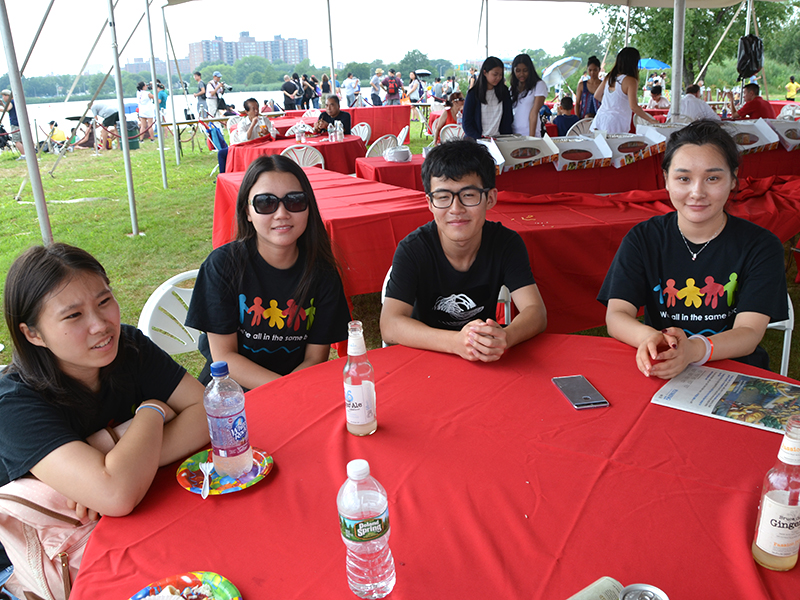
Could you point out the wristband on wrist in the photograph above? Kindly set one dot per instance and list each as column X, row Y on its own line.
column 709, row 349
column 154, row 407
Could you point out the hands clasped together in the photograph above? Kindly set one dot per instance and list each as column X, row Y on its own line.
column 666, row 353
column 480, row 340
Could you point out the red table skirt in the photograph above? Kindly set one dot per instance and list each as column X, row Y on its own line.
column 339, row 156
column 401, row 174
column 497, row 488
column 552, row 129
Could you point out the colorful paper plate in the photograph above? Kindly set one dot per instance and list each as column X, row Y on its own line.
column 190, row 476
column 221, row 587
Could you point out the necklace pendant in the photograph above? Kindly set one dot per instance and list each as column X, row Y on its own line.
column 694, row 257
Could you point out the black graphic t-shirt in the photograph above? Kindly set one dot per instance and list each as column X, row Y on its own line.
column 448, row 299
column 272, row 329
column 741, row 270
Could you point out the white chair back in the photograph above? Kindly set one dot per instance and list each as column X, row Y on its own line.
column 312, row 112
column 164, row 313
column 305, row 156
column 401, row 137
column 451, row 132
column 381, row 144
column 362, row 130
column 787, row 327
column 581, row 127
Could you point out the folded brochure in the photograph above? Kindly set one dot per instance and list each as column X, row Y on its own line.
column 753, row 401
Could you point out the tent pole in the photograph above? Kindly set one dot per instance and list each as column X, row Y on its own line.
column 157, row 115
column 628, row 25
column 719, row 43
column 330, row 37
column 487, row 28
column 763, row 70
column 678, row 32
column 123, row 121
column 24, row 127
column 36, row 37
column 88, row 56
column 175, row 133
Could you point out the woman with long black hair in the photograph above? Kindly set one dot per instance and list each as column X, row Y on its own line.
column 487, row 108
column 619, row 95
column 528, row 92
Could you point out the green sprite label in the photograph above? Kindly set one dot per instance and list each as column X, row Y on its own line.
column 364, row 530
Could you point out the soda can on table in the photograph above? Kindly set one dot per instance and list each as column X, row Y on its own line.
column 642, row 591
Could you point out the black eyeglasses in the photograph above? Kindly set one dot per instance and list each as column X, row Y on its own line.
column 266, row 204
column 468, row 196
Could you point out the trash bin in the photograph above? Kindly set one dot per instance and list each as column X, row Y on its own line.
column 133, row 131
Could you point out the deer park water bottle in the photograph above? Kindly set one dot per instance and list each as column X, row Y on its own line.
column 364, row 521
column 359, row 384
column 777, row 538
column 223, row 399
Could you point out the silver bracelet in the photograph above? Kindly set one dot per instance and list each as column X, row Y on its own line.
column 709, row 349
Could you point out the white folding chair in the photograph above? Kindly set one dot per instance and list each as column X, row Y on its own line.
column 164, row 313
column 581, row 127
column 305, row 156
column 787, row 327
column 790, row 112
column 383, row 296
column 381, row 144
column 401, row 137
column 362, row 130
column 451, row 132
column 679, row 119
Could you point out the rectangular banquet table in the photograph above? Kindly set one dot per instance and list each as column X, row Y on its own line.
column 402, row 174
column 497, row 488
column 571, row 237
column 339, row 156
column 381, row 119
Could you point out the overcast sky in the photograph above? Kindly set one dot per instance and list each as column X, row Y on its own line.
column 377, row 29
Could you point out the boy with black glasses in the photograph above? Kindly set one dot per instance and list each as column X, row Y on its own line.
column 446, row 276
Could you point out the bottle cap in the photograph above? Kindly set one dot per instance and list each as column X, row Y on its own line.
column 219, row 368
column 358, row 469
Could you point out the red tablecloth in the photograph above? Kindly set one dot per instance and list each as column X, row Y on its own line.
column 339, row 156
column 552, row 129
column 497, row 488
column 283, row 124
column 381, row 119
column 365, row 220
column 401, row 174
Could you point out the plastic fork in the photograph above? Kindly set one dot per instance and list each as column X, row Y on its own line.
column 206, row 468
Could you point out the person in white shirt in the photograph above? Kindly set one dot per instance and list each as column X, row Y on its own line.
column 656, row 99
column 247, row 127
column 350, row 86
column 695, row 108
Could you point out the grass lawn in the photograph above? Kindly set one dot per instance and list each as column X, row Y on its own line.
column 175, row 224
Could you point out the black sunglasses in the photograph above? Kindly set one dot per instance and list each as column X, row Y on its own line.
column 266, row 204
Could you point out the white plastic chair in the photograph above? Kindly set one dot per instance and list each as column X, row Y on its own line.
column 164, row 313
column 312, row 112
column 451, row 132
column 401, row 137
column 679, row 119
column 504, row 298
column 787, row 327
column 383, row 297
column 581, row 127
column 362, row 130
column 305, row 156
column 381, row 144
column 790, row 112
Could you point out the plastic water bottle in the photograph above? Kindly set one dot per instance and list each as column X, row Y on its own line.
column 359, row 384
column 339, row 131
column 364, row 521
column 331, row 132
column 227, row 424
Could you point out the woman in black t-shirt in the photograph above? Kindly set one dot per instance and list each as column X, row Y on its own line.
column 76, row 372
column 271, row 302
column 710, row 282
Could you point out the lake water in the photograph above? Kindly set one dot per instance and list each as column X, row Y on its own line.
column 41, row 114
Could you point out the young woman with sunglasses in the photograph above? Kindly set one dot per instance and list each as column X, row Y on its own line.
column 76, row 372
column 271, row 302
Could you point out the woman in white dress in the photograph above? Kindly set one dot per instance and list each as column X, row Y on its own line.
column 147, row 108
column 619, row 95
column 528, row 92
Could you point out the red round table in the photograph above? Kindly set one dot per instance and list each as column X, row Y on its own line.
column 402, row 174
column 497, row 488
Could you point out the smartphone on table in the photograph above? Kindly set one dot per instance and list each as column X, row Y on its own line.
column 580, row 393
